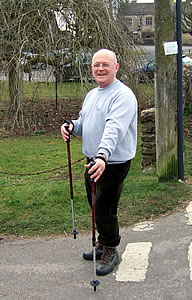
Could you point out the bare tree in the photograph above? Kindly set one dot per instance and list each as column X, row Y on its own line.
column 31, row 26
column 165, row 94
column 187, row 17
column 23, row 25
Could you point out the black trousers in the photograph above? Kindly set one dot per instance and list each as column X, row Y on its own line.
column 108, row 191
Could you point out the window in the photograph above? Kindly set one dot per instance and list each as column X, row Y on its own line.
column 148, row 20
column 130, row 21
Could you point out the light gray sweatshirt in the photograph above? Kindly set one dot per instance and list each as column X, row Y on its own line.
column 108, row 123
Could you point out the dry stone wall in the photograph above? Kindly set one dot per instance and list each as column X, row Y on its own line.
column 148, row 144
column 148, row 139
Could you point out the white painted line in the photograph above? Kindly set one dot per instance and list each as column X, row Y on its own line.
column 144, row 226
column 190, row 259
column 134, row 264
column 189, row 213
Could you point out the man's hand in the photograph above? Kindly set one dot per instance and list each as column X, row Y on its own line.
column 97, row 169
column 66, row 132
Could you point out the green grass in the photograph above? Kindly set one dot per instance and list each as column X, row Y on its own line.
column 188, row 157
column 144, row 197
column 37, row 91
column 39, row 203
column 42, row 90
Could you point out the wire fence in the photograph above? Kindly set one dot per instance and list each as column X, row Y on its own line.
column 42, row 172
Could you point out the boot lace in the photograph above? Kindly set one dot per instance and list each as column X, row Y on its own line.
column 99, row 246
column 106, row 254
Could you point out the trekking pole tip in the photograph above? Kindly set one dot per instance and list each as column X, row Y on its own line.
column 74, row 232
column 95, row 283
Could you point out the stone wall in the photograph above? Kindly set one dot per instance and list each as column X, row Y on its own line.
column 148, row 143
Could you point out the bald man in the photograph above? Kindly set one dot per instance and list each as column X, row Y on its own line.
column 108, row 125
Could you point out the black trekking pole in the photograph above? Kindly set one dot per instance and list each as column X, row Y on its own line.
column 74, row 232
column 94, row 282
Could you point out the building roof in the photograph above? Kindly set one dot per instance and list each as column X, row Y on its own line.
column 135, row 9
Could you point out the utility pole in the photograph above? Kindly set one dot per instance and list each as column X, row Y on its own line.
column 165, row 92
column 180, row 92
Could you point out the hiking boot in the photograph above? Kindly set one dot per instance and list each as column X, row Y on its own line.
column 109, row 260
column 98, row 252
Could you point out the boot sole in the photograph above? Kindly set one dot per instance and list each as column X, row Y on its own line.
column 102, row 273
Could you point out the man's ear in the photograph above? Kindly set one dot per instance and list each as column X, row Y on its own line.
column 116, row 67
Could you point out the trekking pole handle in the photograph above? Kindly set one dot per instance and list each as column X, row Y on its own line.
column 66, row 125
column 92, row 163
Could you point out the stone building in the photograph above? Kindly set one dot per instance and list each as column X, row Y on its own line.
column 141, row 22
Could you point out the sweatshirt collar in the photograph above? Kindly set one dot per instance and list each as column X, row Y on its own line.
column 109, row 86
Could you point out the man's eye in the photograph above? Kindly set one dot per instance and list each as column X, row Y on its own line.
column 101, row 65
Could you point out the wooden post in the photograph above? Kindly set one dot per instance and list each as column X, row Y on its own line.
column 165, row 92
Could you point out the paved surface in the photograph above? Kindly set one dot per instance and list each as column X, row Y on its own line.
column 151, row 49
column 54, row 268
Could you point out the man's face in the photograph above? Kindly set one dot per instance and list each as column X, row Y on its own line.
column 104, row 68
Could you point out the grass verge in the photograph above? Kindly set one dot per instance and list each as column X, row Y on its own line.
column 42, row 90
column 36, row 201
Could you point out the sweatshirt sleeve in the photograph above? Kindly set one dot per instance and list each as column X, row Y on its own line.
column 118, row 120
column 77, row 129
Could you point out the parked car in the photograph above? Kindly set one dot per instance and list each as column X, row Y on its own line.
column 75, row 68
column 186, row 60
column 146, row 73
column 33, row 61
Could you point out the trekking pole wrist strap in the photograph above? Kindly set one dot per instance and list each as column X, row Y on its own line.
column 101, row 156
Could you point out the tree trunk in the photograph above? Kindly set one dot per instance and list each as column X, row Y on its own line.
column 15, row 114
column 165, row 92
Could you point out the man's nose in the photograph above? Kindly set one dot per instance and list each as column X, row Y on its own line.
column 101, row 66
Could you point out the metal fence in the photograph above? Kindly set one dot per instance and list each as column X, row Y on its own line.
column 35, row 75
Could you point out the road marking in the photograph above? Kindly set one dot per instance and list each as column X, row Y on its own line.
column 134, row 264
column 189, row 213
column 190, row 259
column 144, row 226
